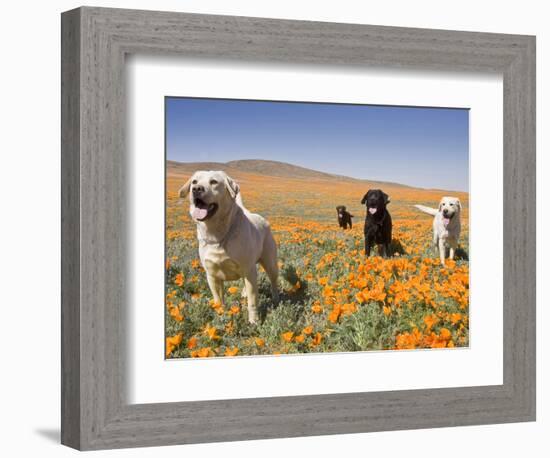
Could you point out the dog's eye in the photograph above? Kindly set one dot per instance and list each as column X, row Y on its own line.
column 213, row 182
column 194, row 182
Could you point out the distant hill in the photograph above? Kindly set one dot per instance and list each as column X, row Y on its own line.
column 268, row 168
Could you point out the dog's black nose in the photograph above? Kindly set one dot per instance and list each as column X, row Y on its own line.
column 198, row 190
column 445, row 211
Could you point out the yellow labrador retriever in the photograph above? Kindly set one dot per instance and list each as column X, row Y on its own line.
column 446, row 225
column 231, row 239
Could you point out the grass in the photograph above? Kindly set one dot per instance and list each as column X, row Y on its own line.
column 333, row 298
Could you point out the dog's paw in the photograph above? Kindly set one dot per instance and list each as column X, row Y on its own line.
column 252, row 316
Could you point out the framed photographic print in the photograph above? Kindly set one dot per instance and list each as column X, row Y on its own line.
column 283, row 228
column 337, row 294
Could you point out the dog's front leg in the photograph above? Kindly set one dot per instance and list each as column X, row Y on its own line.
column 442, row 251
column 367, row 247
column 243, row 292
column 216, row 287
column 453, row 248
column 251, row 285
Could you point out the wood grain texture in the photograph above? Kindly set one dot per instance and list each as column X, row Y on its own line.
column 70, row 229
column 95, row 412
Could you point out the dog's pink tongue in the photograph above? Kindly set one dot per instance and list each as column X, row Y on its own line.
column 446, row 221
column 372, row 211
column 200, row 213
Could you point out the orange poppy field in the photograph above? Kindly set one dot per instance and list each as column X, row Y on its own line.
column 333, row 298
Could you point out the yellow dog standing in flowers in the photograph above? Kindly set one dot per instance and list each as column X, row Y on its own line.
column 231, row 239
column 333, row 299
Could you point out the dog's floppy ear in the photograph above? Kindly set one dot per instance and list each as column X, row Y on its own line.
column 386, row 198
column 231, row 186
column 459, row 204
column 184, row 190
column 364, row 199
column 440, row 204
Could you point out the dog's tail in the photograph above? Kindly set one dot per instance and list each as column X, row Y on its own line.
column 428, row 210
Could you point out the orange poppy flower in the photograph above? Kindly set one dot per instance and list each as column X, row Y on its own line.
column 211, row 332
column 202, row 353
column 172, row 343
column 316, row 307
column 456, row 317
column 217, row 307
column 179, row 279
column 259, row 341
column 316, row 339
column 192, row 343
column 430, row 321
column 231, row 351
column 176, row 314
column 287, row 336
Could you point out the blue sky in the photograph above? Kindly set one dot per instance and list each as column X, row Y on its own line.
column 423, row 147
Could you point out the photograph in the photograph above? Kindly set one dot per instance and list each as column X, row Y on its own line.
column 308, row 227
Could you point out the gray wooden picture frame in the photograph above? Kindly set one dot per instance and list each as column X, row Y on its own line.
column 95, row 41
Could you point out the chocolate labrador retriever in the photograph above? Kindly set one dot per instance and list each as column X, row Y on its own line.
column 344, row 217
